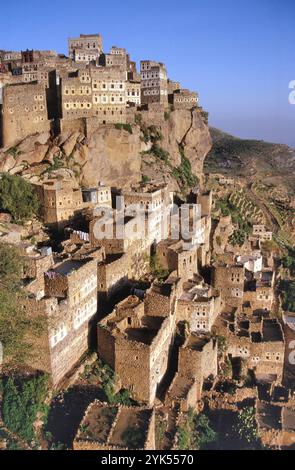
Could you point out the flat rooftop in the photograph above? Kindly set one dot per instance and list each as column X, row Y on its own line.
column 196, row 342
column 121, row 427
column 147, row 332
column 180, row 386
column 288, row 419
column 131, row 428
column 67, row 267
column 272, row 331
column 268, row 416
column 97, row 423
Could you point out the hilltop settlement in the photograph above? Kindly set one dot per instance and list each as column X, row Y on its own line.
column 158, row 335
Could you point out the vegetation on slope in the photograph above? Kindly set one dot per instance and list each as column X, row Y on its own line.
column 23, row 399
column 228, row 207
column 182, row 173
column 236, row 156
column 16, row 326
column 17, row 197
column 194, row 432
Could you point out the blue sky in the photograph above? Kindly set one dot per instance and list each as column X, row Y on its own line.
column 238, row 54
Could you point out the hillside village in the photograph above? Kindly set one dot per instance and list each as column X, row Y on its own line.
column 148, row 342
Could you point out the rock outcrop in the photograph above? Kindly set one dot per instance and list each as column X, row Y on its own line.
column 114, row 155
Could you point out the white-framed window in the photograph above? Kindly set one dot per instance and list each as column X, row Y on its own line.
column 58, row 335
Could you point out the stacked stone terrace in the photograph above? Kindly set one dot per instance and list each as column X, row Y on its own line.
column 106, row 427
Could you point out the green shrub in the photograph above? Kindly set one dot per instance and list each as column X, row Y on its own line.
column 126, row 127
column 195, row 432
column 17, row 197
column 246, row 427
column 287, row 290
column 183, row 173
column 22, row 401
column 16, row 325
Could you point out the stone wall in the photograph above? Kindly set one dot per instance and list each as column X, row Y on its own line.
column 24, row 112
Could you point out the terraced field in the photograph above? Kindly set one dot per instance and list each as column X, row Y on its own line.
column 279, row 209
column 249, row 210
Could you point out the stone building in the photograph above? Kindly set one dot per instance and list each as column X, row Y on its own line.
column 258, row 341
column 148, row 196
column 118, row 233
column 261, row 232
column 86, row 48
column 96, row 92
column 276, row 424
column 172, row 86
column 59, row 200
column 65, row 294
column 24, row 112
column 109, row 94
column 230, row 281
column 76, row 96
column 197, row 360
column 178, row 256
column 101, row 195
column 161, row 298
column 36, row 55
column 199, row 305
column 137, row 347
column 107, row 427
column 133, row 95
column 154, row 87
column 183, row 99
column 252, row 262
column 117, row 57
column 259, row 290
column 154, row 202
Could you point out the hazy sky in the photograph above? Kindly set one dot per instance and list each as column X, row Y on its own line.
column 238, row 54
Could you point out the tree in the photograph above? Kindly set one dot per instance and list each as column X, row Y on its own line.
column 17, row 197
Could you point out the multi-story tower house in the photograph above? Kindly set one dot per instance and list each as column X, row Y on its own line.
column 137, row 347
column 183, row 99
column 154, row 87
column 24, row 112
column 133, row 94
column 87, row 48
column 11, row 56
column 117, row 57
column 59, row 200
column 230, row 280
column 69, row 305
column 109, row 93
column 36, row 56
column 76, row 96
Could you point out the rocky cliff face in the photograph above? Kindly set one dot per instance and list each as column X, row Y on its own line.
column 116, row 156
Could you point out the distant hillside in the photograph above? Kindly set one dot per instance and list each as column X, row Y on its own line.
column 234, row 156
